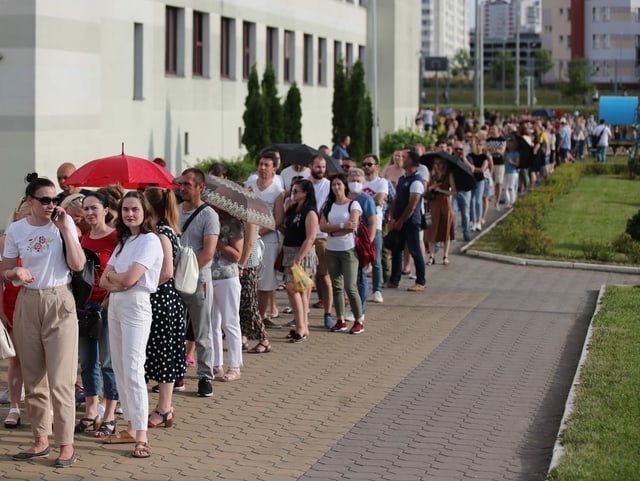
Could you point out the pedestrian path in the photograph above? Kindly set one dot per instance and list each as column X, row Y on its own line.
column 464, row 381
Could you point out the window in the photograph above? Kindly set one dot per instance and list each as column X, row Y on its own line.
column 596, row 42
column 637, row 14
column 349, row 60
column 200, row 66
column 605, row 40
column 272, row 48
column 569, row 14
column 289, row 50
column 322, row 61
column 361, row 53
column 307, row 73
column 568, row 41
column 227, row 47
column 561, row 11
column 337, row 52
column 171, row 41
column 138, row 50
column 637, row 50
column 248, row 47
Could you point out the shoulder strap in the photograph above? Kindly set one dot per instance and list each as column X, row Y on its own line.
column 192, row 216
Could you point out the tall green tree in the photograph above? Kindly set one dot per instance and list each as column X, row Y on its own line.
column 339, row 106
column 577, row 85
column 292, row 108
column 359, row 124
column 272, row 105
column 255, row 136
column 504, row 60
column 543, row 62
column 461, row 64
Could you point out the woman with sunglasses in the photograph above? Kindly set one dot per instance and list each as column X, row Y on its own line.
column 46, row 325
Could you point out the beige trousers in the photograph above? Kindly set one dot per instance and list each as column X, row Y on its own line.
column 46, row 334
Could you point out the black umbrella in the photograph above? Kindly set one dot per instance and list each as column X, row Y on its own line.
column 462, row 173
column 301, row 154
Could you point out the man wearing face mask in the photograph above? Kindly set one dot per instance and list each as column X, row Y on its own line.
column 369, row 217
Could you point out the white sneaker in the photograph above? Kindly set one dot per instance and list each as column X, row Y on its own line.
column 349, row 317
column 377, row 297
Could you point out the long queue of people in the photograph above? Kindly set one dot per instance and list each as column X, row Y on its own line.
column 153, row 333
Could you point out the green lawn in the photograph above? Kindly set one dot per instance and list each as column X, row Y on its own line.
column 602, row 441
column 597, row 210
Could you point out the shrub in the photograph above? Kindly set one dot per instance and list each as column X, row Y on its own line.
column 597, row 251
column 400, row 139
column 633, row 227
column 237, row 170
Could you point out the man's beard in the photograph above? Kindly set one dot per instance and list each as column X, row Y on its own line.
column 317, row 175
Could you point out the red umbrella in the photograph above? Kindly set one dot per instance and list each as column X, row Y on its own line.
column 128, row 171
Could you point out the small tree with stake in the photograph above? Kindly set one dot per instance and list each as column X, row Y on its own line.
column 292, row 116
column 255, row 135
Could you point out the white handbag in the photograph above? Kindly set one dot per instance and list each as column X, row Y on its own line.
column 7, row 349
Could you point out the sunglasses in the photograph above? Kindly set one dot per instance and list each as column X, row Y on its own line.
column 368, row 164
column 46, row 200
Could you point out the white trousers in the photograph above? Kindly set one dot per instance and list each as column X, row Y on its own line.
column 511, row 188
column 225, row 314
column 129, row 327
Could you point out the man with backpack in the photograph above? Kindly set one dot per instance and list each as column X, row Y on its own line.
column 601, row 135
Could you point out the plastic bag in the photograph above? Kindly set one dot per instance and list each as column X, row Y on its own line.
column 301, row 281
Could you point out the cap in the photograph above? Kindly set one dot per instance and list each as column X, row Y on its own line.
column 563, row 120
column 576, row 113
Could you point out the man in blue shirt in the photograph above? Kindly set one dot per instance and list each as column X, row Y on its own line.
column 340, row 151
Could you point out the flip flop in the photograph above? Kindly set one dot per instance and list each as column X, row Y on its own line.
column 123, row 437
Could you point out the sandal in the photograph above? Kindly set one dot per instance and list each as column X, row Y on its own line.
column 87, row 424
column 167, row 419
column 445, row 260
column 123, row 437
column 13, row 419
column 231, row 375
column 261, row 348
column 141, row 450
column 296, row 338
column 431, row 261
column 105, row 431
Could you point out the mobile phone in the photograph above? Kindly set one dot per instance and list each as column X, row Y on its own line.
column 55, row 214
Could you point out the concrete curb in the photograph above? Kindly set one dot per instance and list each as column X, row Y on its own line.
column 558, row 448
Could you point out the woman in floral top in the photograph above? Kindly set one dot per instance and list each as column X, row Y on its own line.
column 225, row 276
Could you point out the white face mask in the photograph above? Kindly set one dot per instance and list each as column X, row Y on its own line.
column 355, row 187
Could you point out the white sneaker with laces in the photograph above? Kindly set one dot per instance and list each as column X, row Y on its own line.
column 377, row 297
column 349, row 317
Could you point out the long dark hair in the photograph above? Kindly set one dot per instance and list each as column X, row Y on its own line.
column 163, row 203
column 147, row 222
column 309, row 201
column 331, row 198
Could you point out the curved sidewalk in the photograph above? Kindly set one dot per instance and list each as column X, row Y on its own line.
column 464, row 381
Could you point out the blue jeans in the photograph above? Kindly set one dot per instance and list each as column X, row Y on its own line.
column 476, row 200
column 601, row 154
column 363, row 287
column 410, row 234
column 376, row 277
column 95, row 358
column 461, row 202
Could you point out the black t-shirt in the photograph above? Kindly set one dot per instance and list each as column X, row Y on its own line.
column 477, row 160
column 295, row 225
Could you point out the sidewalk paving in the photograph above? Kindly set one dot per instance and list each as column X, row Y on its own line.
column 464, row 381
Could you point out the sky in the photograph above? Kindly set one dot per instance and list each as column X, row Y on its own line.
column 472, row 13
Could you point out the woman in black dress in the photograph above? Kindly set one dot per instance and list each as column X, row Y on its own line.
column 166, row 345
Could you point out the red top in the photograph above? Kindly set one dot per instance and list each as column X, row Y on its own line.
column 9, row 299
column 103, row 248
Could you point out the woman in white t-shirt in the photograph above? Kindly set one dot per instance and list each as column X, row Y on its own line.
column 340, row 218
column 45, row 322
column 132, row 274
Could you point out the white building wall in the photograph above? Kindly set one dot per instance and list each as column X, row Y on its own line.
column 66, row 78
column 445, row 27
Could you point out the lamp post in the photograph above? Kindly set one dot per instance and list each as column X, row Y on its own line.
column 504, row 48
column 517, row 13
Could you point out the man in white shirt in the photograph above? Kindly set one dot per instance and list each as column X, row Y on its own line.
column 601, row 134
column 321, row 186
column 378, row 188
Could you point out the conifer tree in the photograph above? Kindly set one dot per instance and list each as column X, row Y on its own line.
column 273, row 108
column 292, row 109
column 339, row 106
column 255, row 135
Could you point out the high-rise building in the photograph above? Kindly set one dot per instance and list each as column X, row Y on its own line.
column 445, row 27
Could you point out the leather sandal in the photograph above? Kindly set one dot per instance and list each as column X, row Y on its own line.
column 88, row 424
column 107, row 428
column 231, row 375
column 123, row 437
column 431, row 261
column 261, row 348
column 141, row 450
column 167, row 419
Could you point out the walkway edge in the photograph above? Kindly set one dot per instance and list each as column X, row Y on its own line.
column 558, row 448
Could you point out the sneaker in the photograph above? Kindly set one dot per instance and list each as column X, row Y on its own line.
column 318, row 305
column 349, row 317
column 377, row 297
column 4, row 397
column 291, row 323
column 178, row 386
column 358, row 328
column 340, row 326
column 204, row 387
column 328, row 321
column 119, row 409
column 417, row 288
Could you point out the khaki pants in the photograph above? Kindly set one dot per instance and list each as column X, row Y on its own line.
column 46, row 333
